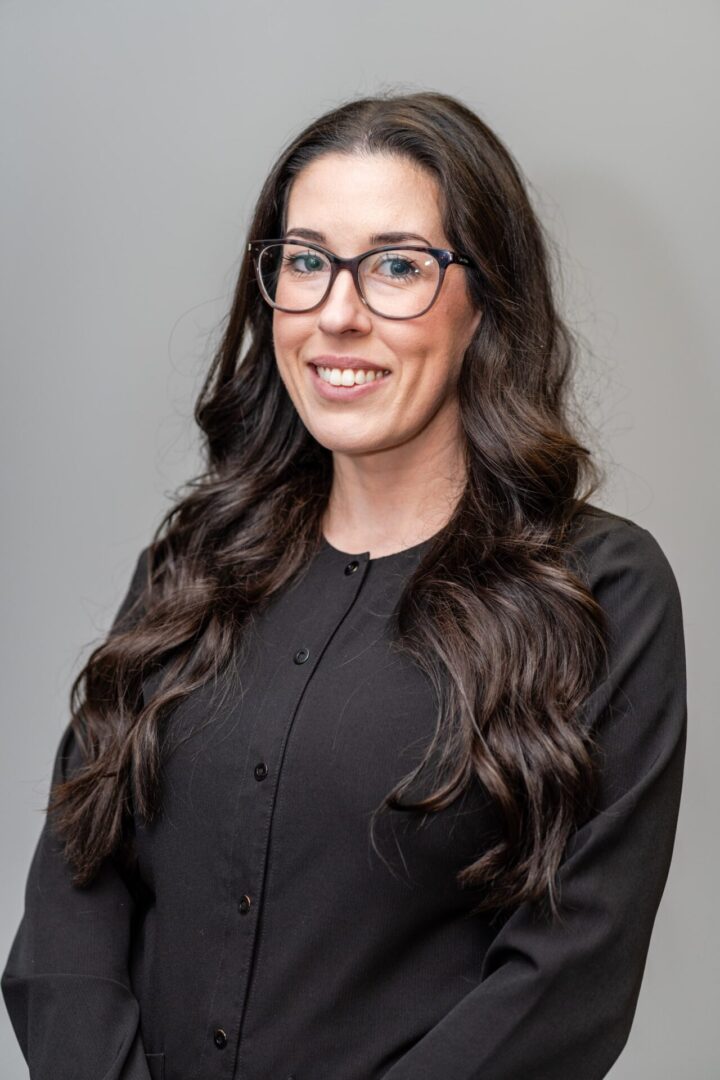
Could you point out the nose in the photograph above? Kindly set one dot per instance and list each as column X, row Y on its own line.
column 343, row 308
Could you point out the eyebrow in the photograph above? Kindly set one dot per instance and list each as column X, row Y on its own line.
column 376, row 238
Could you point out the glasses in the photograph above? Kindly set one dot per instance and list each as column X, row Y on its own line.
column 393, row 282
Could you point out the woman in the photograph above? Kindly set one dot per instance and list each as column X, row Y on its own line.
column 377, row 773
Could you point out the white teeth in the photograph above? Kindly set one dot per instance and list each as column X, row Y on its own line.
column 349, row 376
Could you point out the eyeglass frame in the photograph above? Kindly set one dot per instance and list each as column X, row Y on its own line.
column 443, row 257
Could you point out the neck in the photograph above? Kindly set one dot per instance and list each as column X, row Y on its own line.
column 392, row 499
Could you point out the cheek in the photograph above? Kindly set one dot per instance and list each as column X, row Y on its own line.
column 432, row 349
column 453, row 329
column 288, row 331
column 294, row 327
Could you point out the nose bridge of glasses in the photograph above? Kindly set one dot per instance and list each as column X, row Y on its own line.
column 352, row 285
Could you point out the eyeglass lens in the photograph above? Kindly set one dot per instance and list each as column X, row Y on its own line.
column 399, row 283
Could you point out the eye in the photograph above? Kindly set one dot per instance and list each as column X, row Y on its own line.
column 397, row 267
column 306, row 262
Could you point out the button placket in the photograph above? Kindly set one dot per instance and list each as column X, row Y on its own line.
column 303, row 653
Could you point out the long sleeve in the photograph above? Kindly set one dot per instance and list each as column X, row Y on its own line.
column 65, row 983
column 557, row 1002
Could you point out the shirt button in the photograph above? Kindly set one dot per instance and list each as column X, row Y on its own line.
column 352, row 567
column 301, row 656
column 261, row 770
column 220, row 1038
column 244, row 904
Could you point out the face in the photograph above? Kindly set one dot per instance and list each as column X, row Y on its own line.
column 347, row 199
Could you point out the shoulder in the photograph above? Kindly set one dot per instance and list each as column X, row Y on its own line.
column 638, row 705
column 130, row 606
column 621, row 562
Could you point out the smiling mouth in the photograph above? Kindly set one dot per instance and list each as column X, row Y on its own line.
column 349, row 376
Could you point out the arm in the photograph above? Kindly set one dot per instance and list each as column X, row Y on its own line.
column 557, row 1003
column 66, row 984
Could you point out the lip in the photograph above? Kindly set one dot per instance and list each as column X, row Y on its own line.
column 354, row 362
column 344, row 393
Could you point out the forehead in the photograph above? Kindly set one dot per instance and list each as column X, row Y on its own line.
column 350, row 197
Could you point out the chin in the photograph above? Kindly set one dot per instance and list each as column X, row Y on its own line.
column 343, row 443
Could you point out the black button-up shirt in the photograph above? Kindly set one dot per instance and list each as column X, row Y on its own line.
column 265, row 937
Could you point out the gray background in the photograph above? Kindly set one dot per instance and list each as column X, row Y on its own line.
column 135, row 137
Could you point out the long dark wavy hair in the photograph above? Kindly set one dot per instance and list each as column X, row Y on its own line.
column 507, row 631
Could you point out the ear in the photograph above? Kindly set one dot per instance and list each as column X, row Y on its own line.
column 476, row 320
